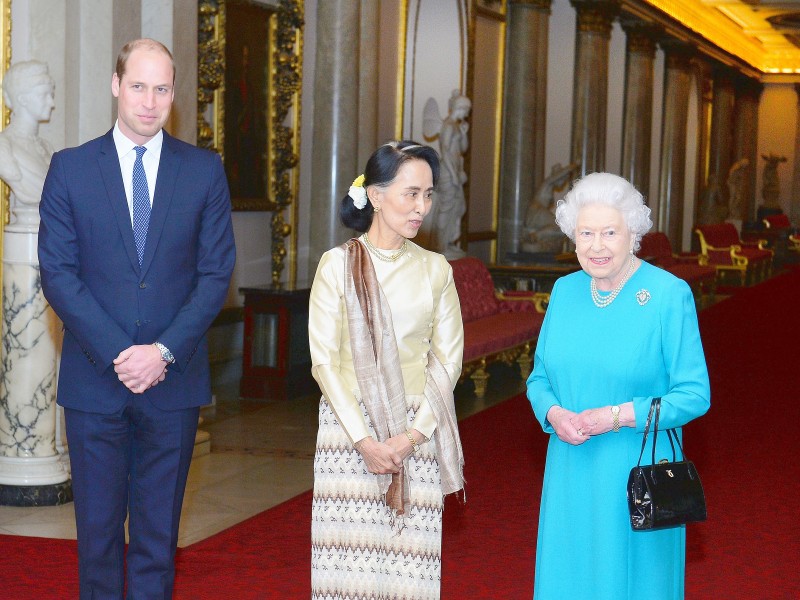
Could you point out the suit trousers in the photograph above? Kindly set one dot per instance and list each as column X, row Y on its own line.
column 133, row 463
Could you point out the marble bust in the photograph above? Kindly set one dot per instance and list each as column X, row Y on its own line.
column 28, row 90
column 453, row 143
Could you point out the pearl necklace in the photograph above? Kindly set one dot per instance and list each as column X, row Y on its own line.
column 603, row 301
column 386, row 257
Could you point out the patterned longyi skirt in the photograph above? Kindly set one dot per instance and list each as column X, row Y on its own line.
column 355, row 551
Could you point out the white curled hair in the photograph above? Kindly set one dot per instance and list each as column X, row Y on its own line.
column 611, row 190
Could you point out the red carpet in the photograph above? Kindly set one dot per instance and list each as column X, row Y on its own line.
column 744, row 448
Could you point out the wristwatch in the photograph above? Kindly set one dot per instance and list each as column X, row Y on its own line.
column 166, row 355
column 615, row 418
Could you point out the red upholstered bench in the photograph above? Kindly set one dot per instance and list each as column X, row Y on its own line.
column 656, row 247
column 725, row 251
column 496, row 328
column 780, row 226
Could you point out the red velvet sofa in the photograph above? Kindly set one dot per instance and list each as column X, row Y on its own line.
column 656, row 248
column 781, row 227
column 723, row 249
column 497, row 328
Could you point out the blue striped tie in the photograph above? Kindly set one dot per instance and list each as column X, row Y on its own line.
column 141, row 203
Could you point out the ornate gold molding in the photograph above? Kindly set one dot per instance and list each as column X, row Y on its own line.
column 285, row 147
column 210, row 73
column 285, row 27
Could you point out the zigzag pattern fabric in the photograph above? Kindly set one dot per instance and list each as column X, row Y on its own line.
column 141, row 203
column 355, row 552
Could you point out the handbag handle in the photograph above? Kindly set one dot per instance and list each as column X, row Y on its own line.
column 653, row 404
column 655, row 408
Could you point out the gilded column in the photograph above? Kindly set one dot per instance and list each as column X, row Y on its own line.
column 704, row 72
column 590, row 90
column 721, row 142
column 638, row 111
column 335, row 152
column 525, row 107
column 794, row 209
column 745, row 146
column 677, row 78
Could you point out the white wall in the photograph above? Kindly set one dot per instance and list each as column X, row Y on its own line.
column 560, row 61
column 616, row 99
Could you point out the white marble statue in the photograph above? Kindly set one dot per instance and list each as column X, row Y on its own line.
column 24, row 156
column 713, row 208
column 450, row 204
column 540, row 232
column 736, row 191
column 771, row 186
column 32, row 472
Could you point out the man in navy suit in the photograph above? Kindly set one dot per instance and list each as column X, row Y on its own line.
column 136, row 252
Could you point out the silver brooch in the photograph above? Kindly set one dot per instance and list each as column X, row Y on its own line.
column 642, row 297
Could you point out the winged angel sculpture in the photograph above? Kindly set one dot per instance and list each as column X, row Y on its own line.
column 451, row 132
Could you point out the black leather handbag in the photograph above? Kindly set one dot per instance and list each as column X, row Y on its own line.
column 664, row 494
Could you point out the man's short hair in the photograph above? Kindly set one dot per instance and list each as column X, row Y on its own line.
column 144, row 44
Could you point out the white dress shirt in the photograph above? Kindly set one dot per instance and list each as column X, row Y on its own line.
column 127, row 156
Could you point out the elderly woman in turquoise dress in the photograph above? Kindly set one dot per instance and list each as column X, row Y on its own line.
column 617, row 333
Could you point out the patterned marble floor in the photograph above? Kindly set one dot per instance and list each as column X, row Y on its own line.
column 261, row 455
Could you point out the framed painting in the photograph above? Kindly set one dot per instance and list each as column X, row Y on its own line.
column 247, row 95
column 249, row 74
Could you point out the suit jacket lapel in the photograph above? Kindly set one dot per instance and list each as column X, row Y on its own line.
column 168, row 167
column 115, row 190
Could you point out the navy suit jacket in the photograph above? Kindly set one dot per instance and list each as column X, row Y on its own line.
column 91, row 274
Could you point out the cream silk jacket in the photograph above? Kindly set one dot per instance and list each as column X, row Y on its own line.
column 426, row 315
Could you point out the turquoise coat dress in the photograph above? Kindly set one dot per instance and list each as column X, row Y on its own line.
column 588, row 357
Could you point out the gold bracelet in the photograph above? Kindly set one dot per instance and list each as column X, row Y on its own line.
column 414, row 443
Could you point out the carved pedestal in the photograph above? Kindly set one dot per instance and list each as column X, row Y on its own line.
column 32, row 472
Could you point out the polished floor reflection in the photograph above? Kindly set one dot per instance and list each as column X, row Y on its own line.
column 261, row 455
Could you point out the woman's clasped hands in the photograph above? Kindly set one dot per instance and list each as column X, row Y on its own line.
column 576, row 428
column 386, row 457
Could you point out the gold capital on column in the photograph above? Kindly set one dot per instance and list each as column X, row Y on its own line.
column 540, row 4
column 596, row 16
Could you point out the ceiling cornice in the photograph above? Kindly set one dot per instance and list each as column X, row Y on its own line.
column 737, row 28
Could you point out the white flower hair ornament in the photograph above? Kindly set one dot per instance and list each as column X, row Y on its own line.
column 358, row 192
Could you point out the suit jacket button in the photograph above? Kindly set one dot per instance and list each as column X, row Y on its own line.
column 142, row 285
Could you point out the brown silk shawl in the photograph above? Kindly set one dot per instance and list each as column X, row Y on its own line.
column 376, row 362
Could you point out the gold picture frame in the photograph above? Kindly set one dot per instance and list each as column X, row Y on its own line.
column 249, row 77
